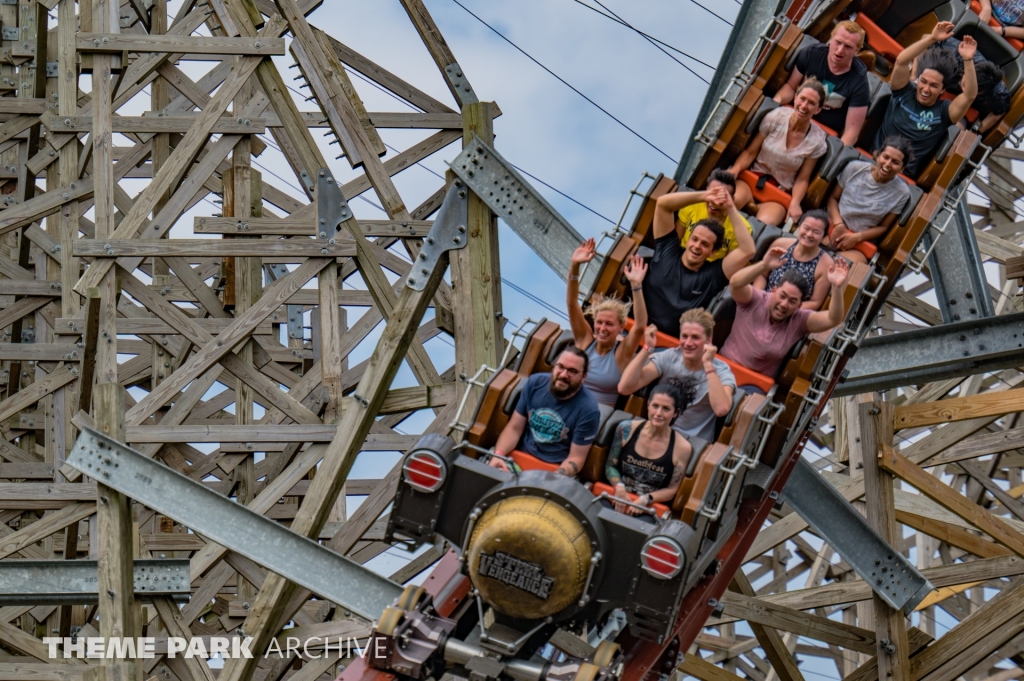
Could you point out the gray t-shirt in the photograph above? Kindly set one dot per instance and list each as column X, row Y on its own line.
column 699, row 418
column 865, row 203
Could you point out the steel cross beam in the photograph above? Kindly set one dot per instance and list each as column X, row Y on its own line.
column 515, row 201
column 934, row 354
column 232, row 525
column 834, row 519
column 75, row 582
column 957, row 274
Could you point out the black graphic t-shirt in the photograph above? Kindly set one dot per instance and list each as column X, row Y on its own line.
column 923, row 126
column 671, row 289
column 843, row 90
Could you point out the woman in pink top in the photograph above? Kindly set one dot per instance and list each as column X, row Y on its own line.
column 786, row 147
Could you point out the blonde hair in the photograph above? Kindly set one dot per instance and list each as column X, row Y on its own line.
column 698, row 315
column 600, row 304
column 851, row 27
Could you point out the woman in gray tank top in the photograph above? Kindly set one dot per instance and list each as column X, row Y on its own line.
column 608, row 353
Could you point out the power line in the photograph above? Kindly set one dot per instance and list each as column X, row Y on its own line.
column 652, row 40
column 724, row 20
column 565, row 82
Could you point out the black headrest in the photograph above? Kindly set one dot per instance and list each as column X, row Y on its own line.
column 765, row 241
column 899, row 15
column 806, row 41
column 915, row 196
column 723, row 306
column 990, row 43
column 698, row 444
column 610, row 420
column 736, row 399
column 845, row 156
column 767, row 104
column 561, row 343
column 756, row 226
column 952, row 132
column 513, row 397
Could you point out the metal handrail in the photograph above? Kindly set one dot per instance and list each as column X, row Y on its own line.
column 949, row 205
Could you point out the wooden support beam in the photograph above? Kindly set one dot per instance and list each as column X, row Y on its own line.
column 958, row 409
column 775, row 649
column 168, row 44
column 875, row 430
column 476, row 271
column 805, row 624
column 398, row 336
column 997, row 528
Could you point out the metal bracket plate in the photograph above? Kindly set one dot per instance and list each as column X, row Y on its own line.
column 453, row 72
column 448, row 233
column 331, row 207
column 893, row 577
column 53, row 582
column 51, row 69
column 277, row 271
column 515, row 201
column 232, row 525
column 10, row 33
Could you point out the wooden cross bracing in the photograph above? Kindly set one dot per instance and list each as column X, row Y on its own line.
column 244, row 332
column 111, row 319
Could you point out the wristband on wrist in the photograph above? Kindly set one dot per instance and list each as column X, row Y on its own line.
column 648, row 348
column 574, row 277
column 636, row 288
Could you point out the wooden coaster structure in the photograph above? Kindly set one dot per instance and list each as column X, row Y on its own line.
column 95, row 305
column 936, row 468
column 99, row 295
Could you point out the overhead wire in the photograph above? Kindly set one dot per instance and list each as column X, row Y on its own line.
column 566, row 83
column 717, row 16
column 652, row 40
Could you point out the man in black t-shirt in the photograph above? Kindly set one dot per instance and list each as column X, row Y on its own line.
column 844, row 76
column 916, row 110
column 680, row 279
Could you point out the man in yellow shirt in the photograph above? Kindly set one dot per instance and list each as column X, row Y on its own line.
column 703, row 205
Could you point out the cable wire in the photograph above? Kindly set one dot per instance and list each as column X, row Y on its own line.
column 717, row 16
column 652, row 40
column 566, row 83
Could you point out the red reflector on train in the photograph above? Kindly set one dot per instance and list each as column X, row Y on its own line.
column 662, row 557
column 424, row 471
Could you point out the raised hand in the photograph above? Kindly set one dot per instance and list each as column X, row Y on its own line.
column 651, row 336
column 967, row 48
column 942, row 30
column 773, row 258
column 636, row 270
column 584, row 253
column 710, row 351
column 838, row 272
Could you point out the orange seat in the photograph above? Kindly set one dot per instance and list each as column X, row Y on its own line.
column 600, row 488
column 744, row 376
column 528, row 462
column 880, row 41
column 867, row 248
column 770, row 193
column 994, row 23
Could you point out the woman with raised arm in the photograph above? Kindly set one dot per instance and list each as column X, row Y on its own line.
column 805, row 255
column 608, row 354
column 648, row 458
column 784, row 152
